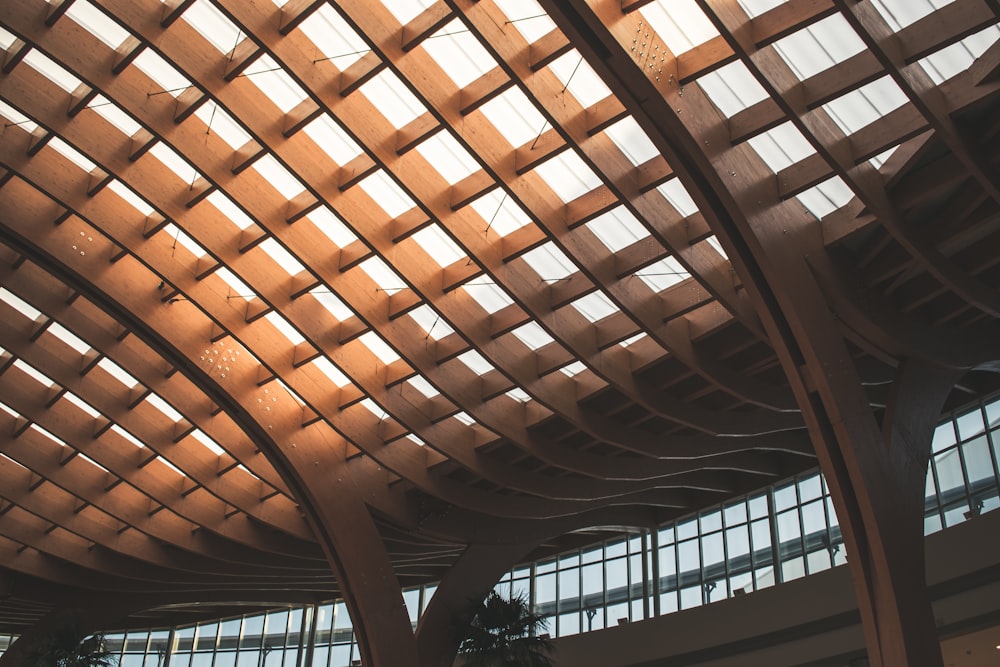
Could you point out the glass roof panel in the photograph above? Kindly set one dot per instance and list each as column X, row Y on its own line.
column 208, row 443
column 431, row 322
column 826, row 197
column 757, row 7
column 53, row 72
column 632, row 140
column 161, row 72
column 568, row 175
column 332, row 303
column 782, row 146
column 285, row 328
column 436, row 243
column 16, row 117
column 502, row 214
column 476, row 362
column 157, row 402
column 518, row 395
column 732, row 88
column 229, row 209
column 595, row 306
column 112, row 113
column 379, row 347
column 222, row 124
column 392, row 99
column 678, row 197
column 549, row 262
column 213, row 25
column 901, row 13
column 387, row 194
column 487, row 294
column 284, row 258
column 388, row 280
column 33, row 373
column 420, row 383
column 274, row 82
column 81, row 404
column 173, row 161
column 7, row 39
column 528, row 17
column 97, row 23
column 71, row 154
column 679, row 23
column 183, row 239
column 459, row 53
column 573, row 369
column 68, row 337
column 237, row 288
column 126, row 193
column 662, row 274
column 865, row 105
column 407, row 10
column 331, row 225
column 533, row 335
column 334, row 37
column 280, row 178
column 117, row 372
column 332, row 139
column 448, row 157
column 331, row 371
column 819, row 46
column 515, row 116
column 714, row 242
column 579, row 79
column 957, row 58
column 19, row 304
column 617, row 228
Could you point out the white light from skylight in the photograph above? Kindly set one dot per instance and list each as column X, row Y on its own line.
column 515, row 116
column 161, row 72
column 112, row 113
column 595, row 306
column 97, row 23
column 617, row 228
column 387, row 194
column 476, row 362
column 7, row 39
column 901, row 13
column 334, row 228
column 632, row 140
column 332, row 303
column 384, row 276
column 68, row 337
column 662, row 274
column 412, row 437
column 48, row 434
column 19, row 304
column 164, row 407
column 573, row 369
column 487, row 295
column 279, row 177
column 221, row 123
column 819, row 46
column 826, row 197
column 174, row 162
column 757, row 7
column 633, row 339
column 865, row 105
column 732, row 88
column 335, row 39
column 781, row 146
column 501, row 214
column 285, row 328
column 714, row 242
column 237, row 288
column 579, row 79
column 17, row 118
column 117, row 372
column 81, row 404
column 379, row 347
column 448, row 157
column 459, row 53
column 528, row 17
column 431, row 322
column 881, row 158
column 331, row 371
column 407, row 10
column 374, row 408
column 332, row 139
column 420, row 383
column 280, row 255
column 464, row 418
column 71, row 154
column 956, row 58
column 679, row 23
column 213, row 25
column 33, row 373
column 229, row 210
column 678, row 197
column 518, row 395
column 174, row 232
column 392, row 99
column 533, row 335
column 274, row 82
column 549, row 262
column 52, row 71
column 209, row 444
column 128, row 437
column 439, row 245
column 568, row 175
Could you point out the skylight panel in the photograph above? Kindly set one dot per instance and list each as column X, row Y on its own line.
column 387, row 194
column 16, row 117
column 7, row 39
column 33, row 373
column 464, row 418
column 420, row 383
column 237, row 288
column 374, row 408
column 117, row 372
column 819, row 46
column 285, row 328
column 491, row 297
column 501, row 214
column 213, row 25
column 332, row 139
column 957, row 58
column 826, row 197
column 279, row 177
column 678, row 197
column 406, row 10
column 633, row 340
column 533, row 335
column 161, row 72
column 173, row 161
column 52, row 71
column 882, row 157
column 209, row 444
column 438, row 245
column 632, row 141
column 280, row 255
column 781, row 146
column 459, row 53
column 431, row 322
column 549, row 262
column 662, row 274
column 448, row 157
column 568, row 176
column 71, row 154
column 175, row 232
column 6, row 408
column 528, row 17
column 476, row 362
column 48, row 434
column 82, row 405
column 335, row 39
column 579, row 79
column 275, row 83
column 617, row 228
column 229, row 209
column 518, row 395
column 732, row 88
column 112, row 113
column 412, row 437
column 714, row 242
column 679, row 23
column 68, row 337
column 222, row 124
column 388, row 280
column 332, row 303
column 97, row 23
column 573, row 369
column 515, row 116
column 379, row 347
column 164, row 407
column 755, row 8
column 331, row 371
column 595, row 306
column 128, row 437
column 865, row 105
column 19, row 305
column 392, row 99
column 901, row 13
column 334, row 228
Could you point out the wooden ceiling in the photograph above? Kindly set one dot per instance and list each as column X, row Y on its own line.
column 157, row 320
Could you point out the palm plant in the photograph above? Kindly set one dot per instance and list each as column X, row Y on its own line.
column 505, row 632
column 62, row 650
